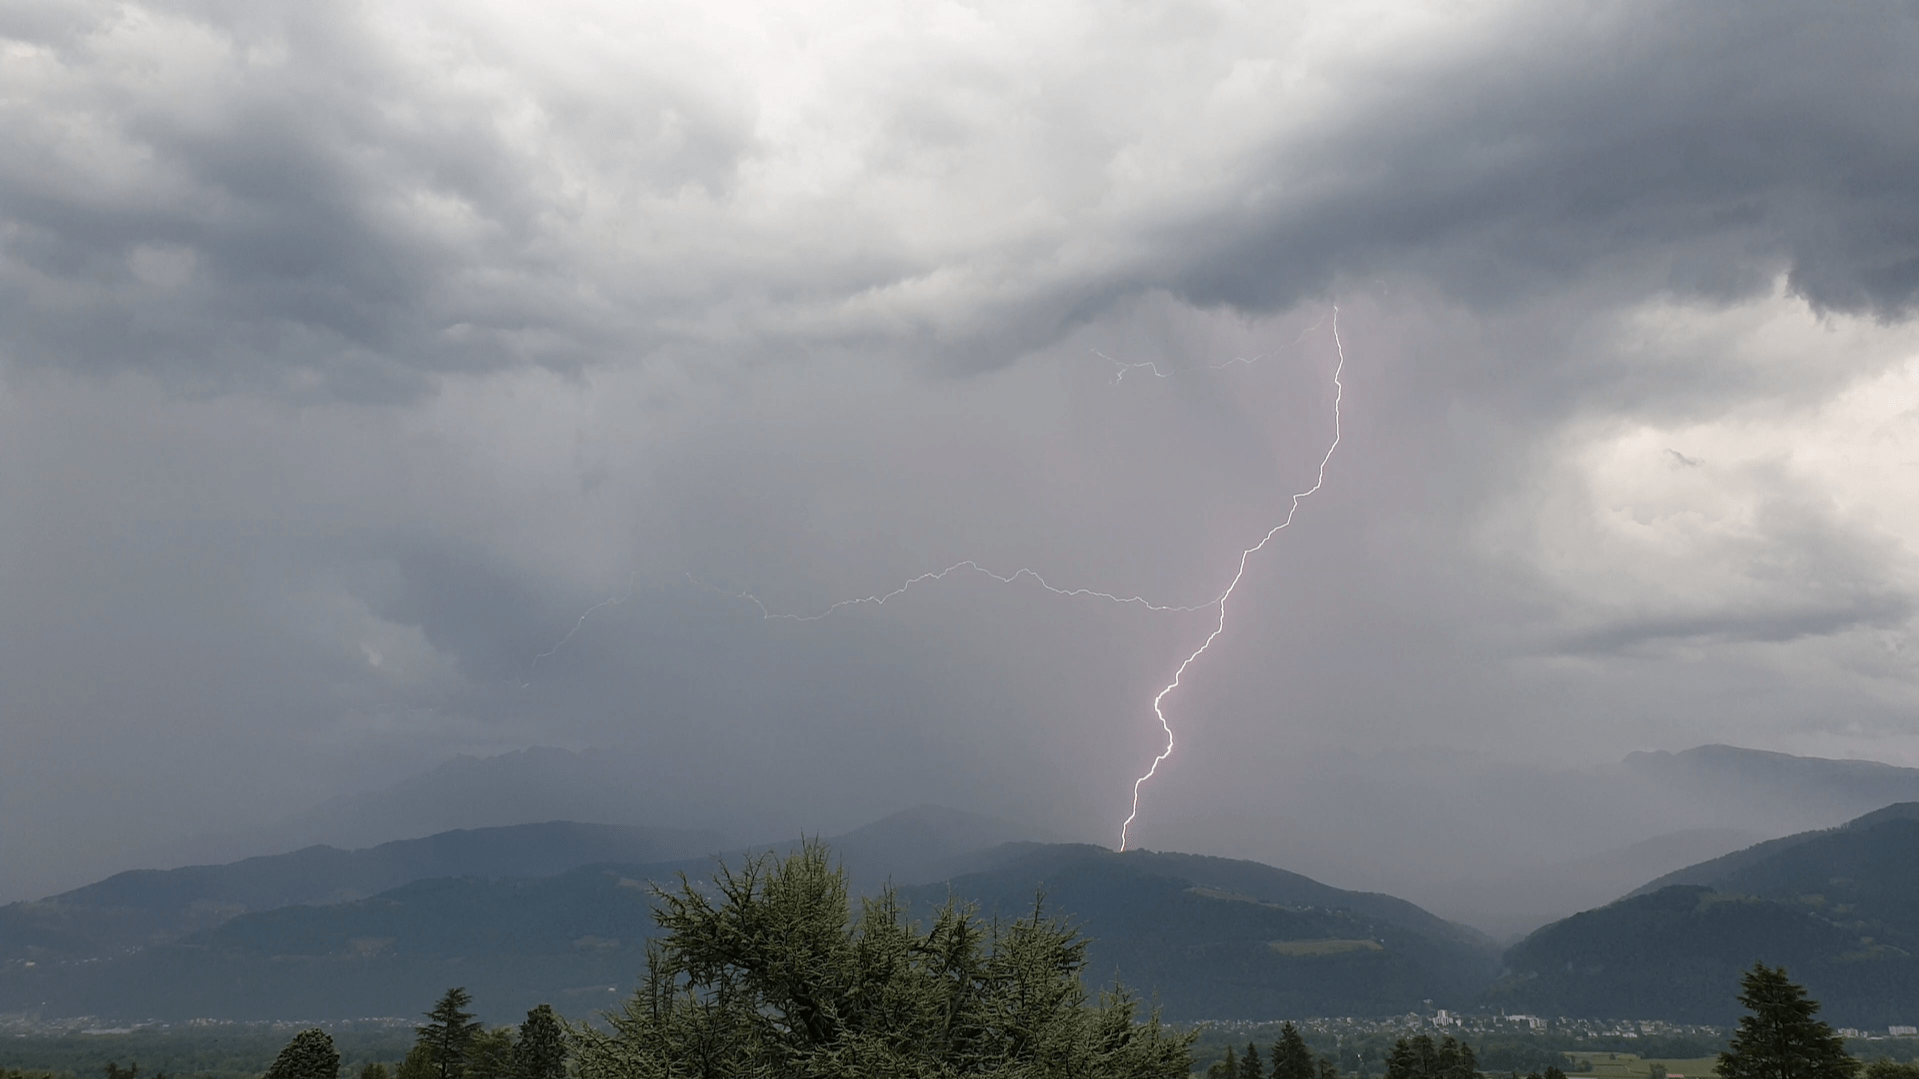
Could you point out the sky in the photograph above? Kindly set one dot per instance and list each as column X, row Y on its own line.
column 385, row 382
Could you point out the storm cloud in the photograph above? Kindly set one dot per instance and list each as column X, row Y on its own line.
column 383, row 382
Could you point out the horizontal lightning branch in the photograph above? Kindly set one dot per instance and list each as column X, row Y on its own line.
column 1120, row 367
column 970, row 567
column 940, row 575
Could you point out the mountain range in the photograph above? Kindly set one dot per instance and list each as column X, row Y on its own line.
column 560, row 911
column 1206, row 935
column 1838, row 908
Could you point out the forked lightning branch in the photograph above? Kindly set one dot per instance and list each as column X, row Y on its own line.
column 972, row 570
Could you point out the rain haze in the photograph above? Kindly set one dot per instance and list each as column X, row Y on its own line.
column 386, row 383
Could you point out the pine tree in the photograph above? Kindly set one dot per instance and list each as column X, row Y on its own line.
column 1455, row 1060
column 769, row 973
column 490, row 1054
column 310, row 1055
column 1249, row 1066
column 446, row 1038
column 541, row 1051
column 1780, row 1039
column 1291, row 1058
column 1413, row 1058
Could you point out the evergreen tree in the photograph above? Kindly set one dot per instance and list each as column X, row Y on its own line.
column 1780, row 1039
column 1226, row 1067
column 1454, row 1060
column 1249, row 1066
column 1291, row 1058
column 768, row 973
column 374, row 1070
column 540, row 1052
column 417, row 1065
column 310, row 1055
column 446, row 1037
column 490, row 1054
column 1328, row 1069
column 1413, row 1058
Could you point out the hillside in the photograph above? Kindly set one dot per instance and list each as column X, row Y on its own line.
column 1208, row 936
column 144, row 907
column 1228, row 939
column 1839, row 908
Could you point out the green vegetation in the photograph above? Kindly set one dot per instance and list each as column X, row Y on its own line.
column 209, row 1051
column 1779, row 1038
column 769, row 973
column 1839, row 907
column 1291, row 1059
column 1325, row 947
column 310, row 1055
column 1637, row 1066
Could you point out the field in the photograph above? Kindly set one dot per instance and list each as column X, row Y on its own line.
column 1632, row 1066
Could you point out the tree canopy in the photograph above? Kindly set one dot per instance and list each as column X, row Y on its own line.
column 1779, row 1038
column 310, row 1055
column 767, row 971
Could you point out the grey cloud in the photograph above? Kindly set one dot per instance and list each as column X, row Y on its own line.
column 1685, row 148
column 368, row 215
column 350, row 362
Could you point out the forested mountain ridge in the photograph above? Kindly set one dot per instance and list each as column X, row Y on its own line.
column 1207, row 936
column 143, row 907
column 1229, row 939
column 1839, row 908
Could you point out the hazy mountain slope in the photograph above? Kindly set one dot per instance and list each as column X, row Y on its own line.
column 923, row 844
column 1839, row 908
column 143, row 907
column 1712, row 871
column 577, row 940
column 1780, row 785
column 540, row 783
column 1514, row 904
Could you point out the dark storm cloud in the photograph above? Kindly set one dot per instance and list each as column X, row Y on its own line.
column 224, row 193
column 375, row 376
column 1690, row 148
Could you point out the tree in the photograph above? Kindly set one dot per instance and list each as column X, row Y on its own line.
column 490, row 1054
column 1420, row 1057
column 1454, row 1060
column 1413, row 1058
column 1227, row 1067
column 374, row 1070
column 310, row 1055
column 1249, row 1066
column 1779, row 1038
column 445, row 1039
column 417, row 1065
column 767, row 972
column 1887, row 1069
column 540, row 1052
column 1291, row 1058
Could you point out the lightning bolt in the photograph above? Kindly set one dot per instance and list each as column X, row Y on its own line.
column 1179, row 676
column 1218, row 604
column 879, row 599
column 611, row 601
